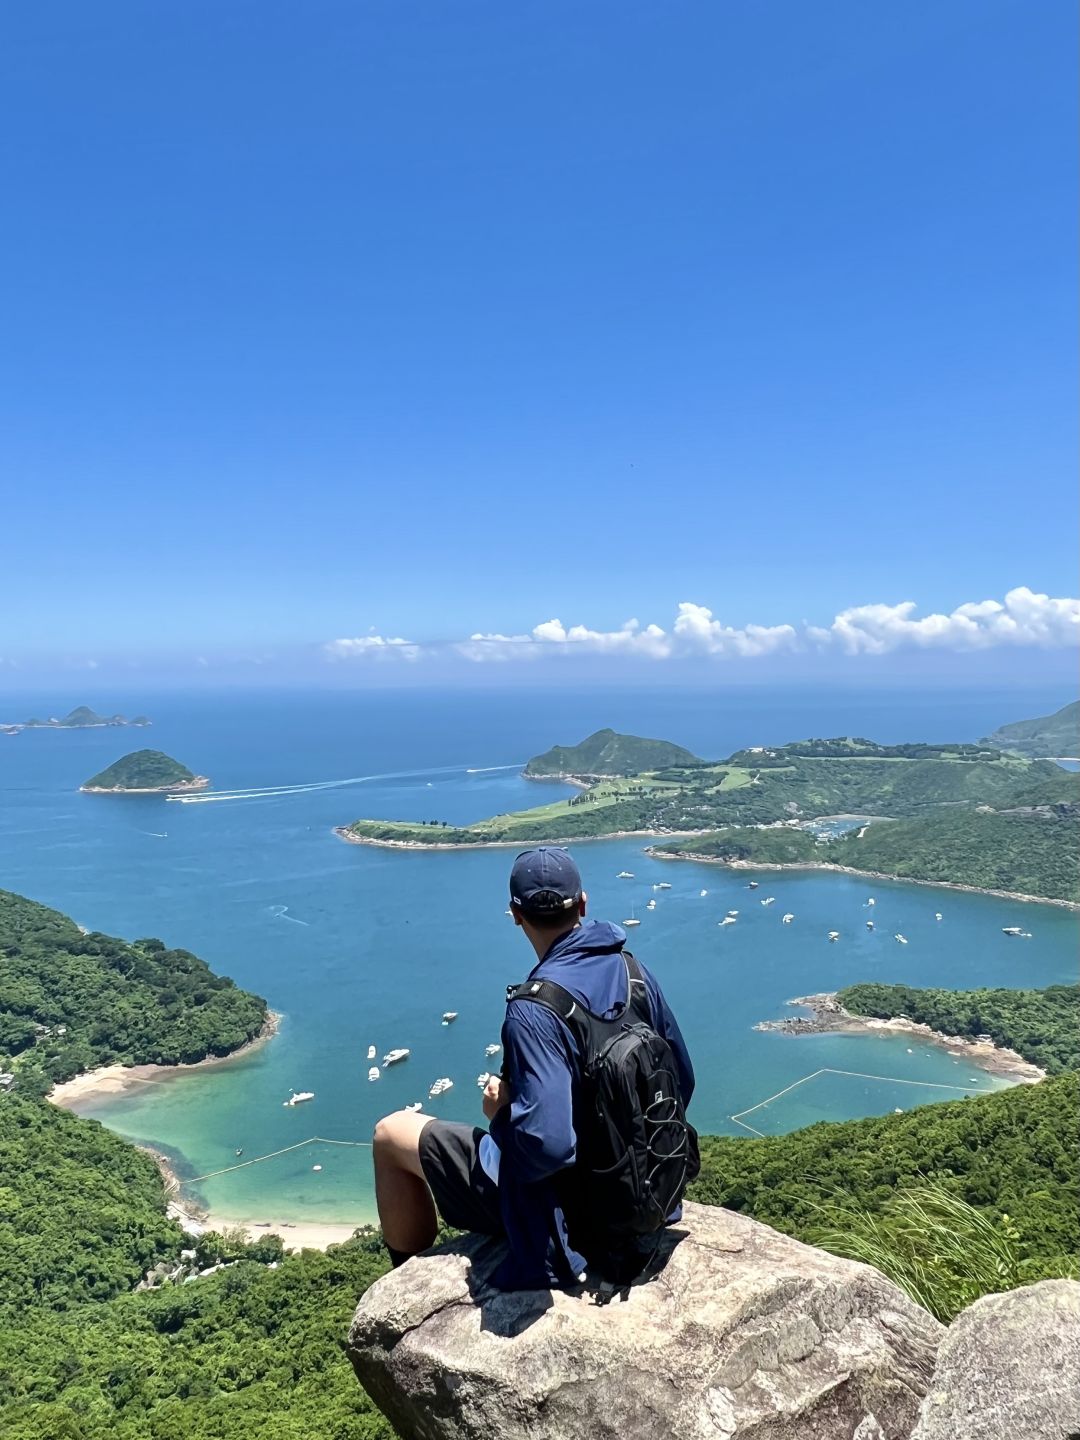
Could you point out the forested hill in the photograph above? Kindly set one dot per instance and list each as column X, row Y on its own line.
column 608, row 753
column 1041, row 1025
column 145, row 770
column 69, row 1001
column 1057, row 734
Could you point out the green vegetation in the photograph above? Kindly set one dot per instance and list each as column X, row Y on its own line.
column 944, row 1252
column 1057, row 734
column 82, row 1216
column 607, row 753
column 1012, row 1153
column 964, row 814
column 780, row 845
column 145, row 770
column 70, row 1001
column 1041, row 1025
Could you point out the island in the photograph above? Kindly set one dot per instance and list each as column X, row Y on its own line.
column 81, row 718
column 606, row 753
column 1022, row 1035
column 144, row 772
column 1054, row 736
column 961, row 814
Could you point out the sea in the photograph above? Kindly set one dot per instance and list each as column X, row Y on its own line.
column 358, row 946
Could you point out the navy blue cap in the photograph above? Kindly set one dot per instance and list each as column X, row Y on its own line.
column 545, row 881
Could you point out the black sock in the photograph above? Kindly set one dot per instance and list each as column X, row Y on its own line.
column 398, row 1257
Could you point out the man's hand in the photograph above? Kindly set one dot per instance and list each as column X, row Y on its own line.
column 496, row 1095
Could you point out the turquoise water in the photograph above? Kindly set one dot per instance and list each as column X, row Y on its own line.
column 358, row 946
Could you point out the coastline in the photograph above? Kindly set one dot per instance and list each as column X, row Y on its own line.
column 828, row 1016
column 119, row 1079
column 200, row 782
column 344, row 833
column 660, row 854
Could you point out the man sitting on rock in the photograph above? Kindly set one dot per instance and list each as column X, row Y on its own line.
column 540, row 1176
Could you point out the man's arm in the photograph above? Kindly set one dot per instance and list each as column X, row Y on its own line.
column 535, row 1132
column 665, row 1024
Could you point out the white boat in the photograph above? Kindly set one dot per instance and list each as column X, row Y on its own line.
column 393, row 1056
column 900, row 939
column 482, row 1079
column 374, row 1073
column 871, row 901
column 787, row 919
column 937, row 915
column 869, row 924
column 769, row 900
column 664, row 885
column 449, row 1016
column 625, row 875
column 727, row 920
column 631, row 922
column 371, row 1052
column 416, row 1105
column 490, row 1050
column 1011, row 930
column 834, row 935
column 752, row 885
column 299, row 1096
column 651, row 905
column 440, row 1087
column 733, row 913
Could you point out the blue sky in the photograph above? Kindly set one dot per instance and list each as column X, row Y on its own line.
column 344, row 322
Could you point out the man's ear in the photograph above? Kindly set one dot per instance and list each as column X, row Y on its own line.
column 517, row 916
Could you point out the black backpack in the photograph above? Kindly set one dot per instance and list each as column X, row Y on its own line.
column 636, row 1151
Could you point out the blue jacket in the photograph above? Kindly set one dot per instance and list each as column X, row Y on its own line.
column 542, row 1068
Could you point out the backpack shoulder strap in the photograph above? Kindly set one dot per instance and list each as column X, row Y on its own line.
column 638, row 1001
column 547, row 993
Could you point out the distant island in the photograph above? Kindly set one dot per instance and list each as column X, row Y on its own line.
column 81, row 718
column 1055, row 736
column 144, row 772
column 959, row 814
column 607, row 753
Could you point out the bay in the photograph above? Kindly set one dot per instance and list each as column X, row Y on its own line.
column 358, row 946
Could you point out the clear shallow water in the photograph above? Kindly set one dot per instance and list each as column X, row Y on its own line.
column 358, row 946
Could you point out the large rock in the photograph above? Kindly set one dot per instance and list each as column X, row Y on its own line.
column 1009, row 1369
column 743, row 1333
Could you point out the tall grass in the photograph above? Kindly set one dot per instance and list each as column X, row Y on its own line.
column 939, row 1249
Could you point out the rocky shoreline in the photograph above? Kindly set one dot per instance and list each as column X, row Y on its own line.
column 659, row 853
column 828, row 1016
column 199, row 782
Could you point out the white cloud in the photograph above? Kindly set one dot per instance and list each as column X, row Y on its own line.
column 378, row 647
column 1023, row 618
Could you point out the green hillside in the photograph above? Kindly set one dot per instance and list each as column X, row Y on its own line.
column 69, row 1001
column 144, row 770
column 1057, row 734
column 1041, row 1025
column 608, row 753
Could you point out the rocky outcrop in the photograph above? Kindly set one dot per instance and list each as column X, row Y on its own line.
column 741, row 1334
column 1009, row 1369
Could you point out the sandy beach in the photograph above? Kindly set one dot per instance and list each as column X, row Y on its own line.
column 120, row 1079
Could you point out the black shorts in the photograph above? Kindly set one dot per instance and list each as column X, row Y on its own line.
column 465, row 1196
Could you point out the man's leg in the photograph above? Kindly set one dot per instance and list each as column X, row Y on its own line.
column 406, row 1210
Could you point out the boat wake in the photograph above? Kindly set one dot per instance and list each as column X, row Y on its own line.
column 484, row 769
column 265, row 792
column 281, row 912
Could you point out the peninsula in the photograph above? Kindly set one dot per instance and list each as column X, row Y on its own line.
column 1056, row 736
column 606, row 753
column 81, row 718
column 1022, row 1035
column 959, row 814
column 144, row 772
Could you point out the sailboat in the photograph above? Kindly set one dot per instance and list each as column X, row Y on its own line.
column 632, row 920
